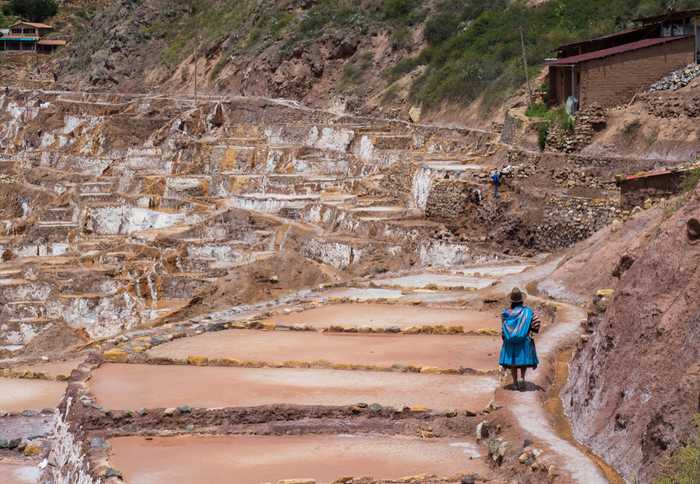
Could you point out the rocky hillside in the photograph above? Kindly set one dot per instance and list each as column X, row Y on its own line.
column 634, row 385
column 369, row 56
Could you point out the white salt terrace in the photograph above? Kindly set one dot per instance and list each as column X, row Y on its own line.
column 438, row 280
column 256, row 459
column 366, row 294
column 130, row 386
column 473, row 277
column 453, row 167
column 383, row 350
column 388, row 315
column 274, row 202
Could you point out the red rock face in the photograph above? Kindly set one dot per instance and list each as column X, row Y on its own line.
column 635, row 386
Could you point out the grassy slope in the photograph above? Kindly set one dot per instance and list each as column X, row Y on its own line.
column 473, row 46
column 467, row 47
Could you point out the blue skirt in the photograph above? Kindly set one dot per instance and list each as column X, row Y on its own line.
column 519, row 355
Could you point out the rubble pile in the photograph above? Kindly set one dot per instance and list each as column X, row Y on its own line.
column 677, row 79
column 672, row 106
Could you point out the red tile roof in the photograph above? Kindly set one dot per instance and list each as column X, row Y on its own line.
column 620, row 49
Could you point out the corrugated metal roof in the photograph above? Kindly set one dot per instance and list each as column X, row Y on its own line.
column 620, row 33
column 36, row 25
column 620, row 49
column 657, row 172
column 669, row 16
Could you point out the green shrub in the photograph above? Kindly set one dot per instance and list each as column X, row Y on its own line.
column 631, row 130
column 685, row 464
column 401, row 38
column 402, row 11
column 353, row 73
column 536, row 110
column 402, row 68
column 441, row 27
column 32, row 10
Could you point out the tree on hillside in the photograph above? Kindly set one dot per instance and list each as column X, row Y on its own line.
column 32, row 10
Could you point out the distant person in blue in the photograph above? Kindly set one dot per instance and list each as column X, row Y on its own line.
column 496, row 179
column 518, row 350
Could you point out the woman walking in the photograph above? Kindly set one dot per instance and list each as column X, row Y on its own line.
column 518, row 351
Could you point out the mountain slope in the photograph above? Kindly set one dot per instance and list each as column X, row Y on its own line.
column 634, row 386
column 369, row 55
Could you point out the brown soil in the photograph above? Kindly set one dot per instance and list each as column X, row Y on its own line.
column 591, row 263
column 267, row 279
column 657, row 125
column 57, row 340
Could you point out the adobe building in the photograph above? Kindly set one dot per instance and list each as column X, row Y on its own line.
column 609, row 70
column 28, row 36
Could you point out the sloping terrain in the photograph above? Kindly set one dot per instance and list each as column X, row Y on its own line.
column 634, row 381
column 656, row 125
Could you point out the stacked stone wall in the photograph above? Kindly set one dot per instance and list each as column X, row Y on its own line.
column 568, row 220
column 450, row 199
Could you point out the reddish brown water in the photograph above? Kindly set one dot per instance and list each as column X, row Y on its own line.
column 384, row 315
column 479, row 352
column 155, row 386
column 258, row 459
column 17, row 395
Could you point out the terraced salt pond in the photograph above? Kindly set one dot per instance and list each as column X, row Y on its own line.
column 474, row 277
column 365, row 294
column 19, row 394
column 385, row 315
column 418, row 281
column 477, row 352
column 11, row 473
column 257, row 459
column 129, row 386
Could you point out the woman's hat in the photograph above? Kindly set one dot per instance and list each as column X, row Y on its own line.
column 516, row 295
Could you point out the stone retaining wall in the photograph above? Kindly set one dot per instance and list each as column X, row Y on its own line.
column 568, row 220
column 450, row 199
